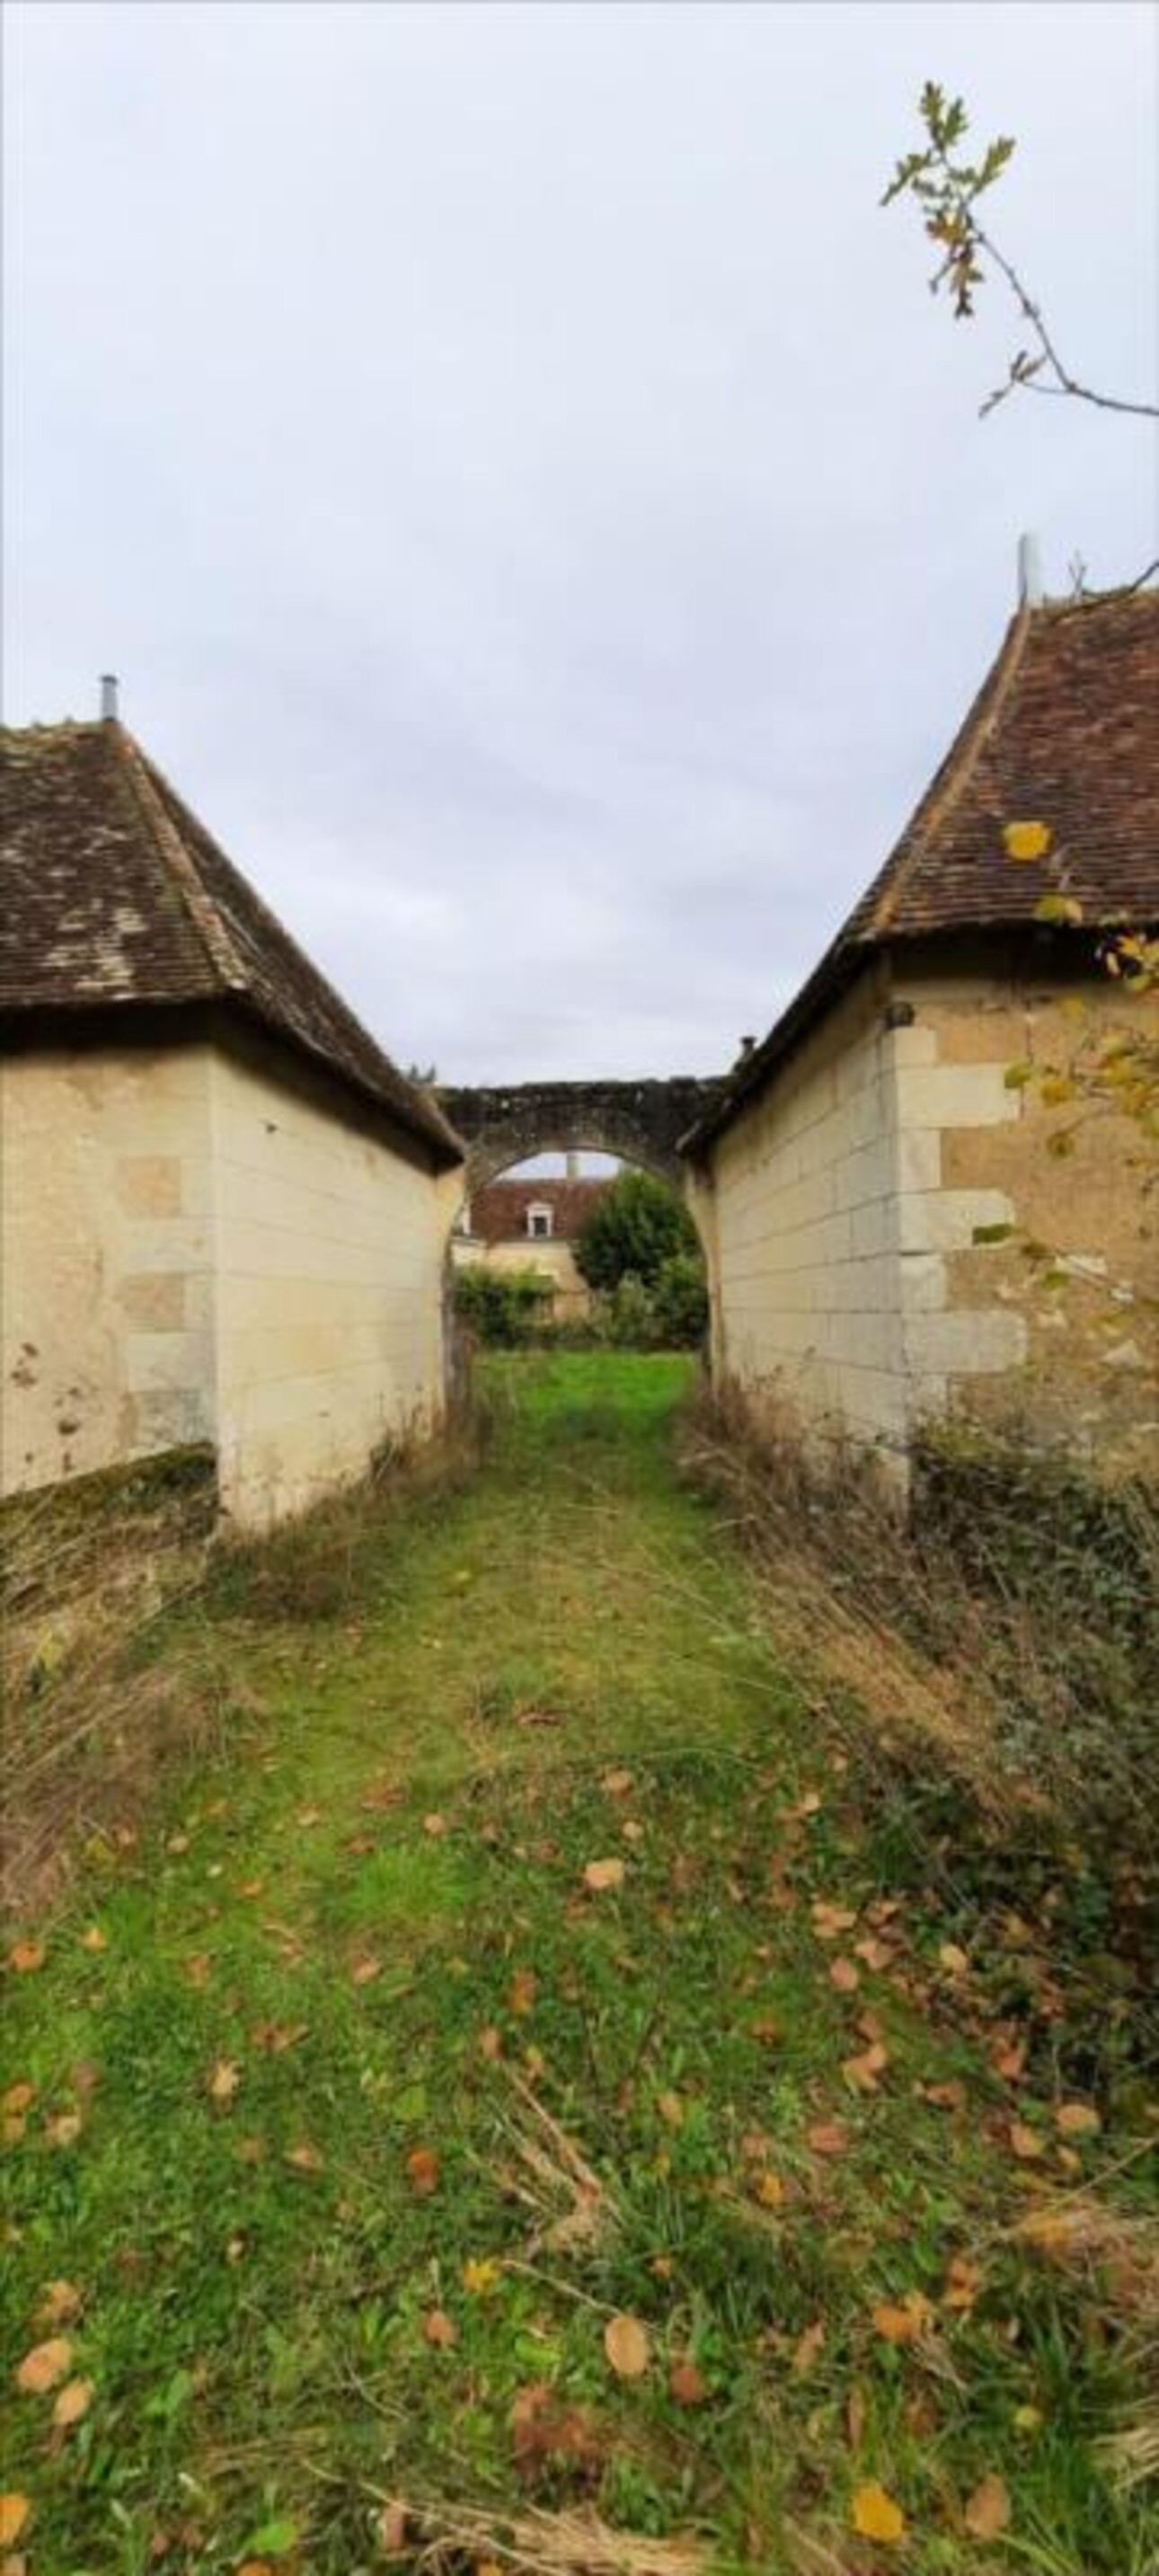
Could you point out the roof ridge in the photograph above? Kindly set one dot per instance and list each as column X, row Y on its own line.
column 952, row 776
column 181, row 865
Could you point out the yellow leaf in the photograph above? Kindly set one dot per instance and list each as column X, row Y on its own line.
column 223, row 2079
column 875, row 2515
column 94, row 1938
column 74, row 2400
column 770, row 2191
column 14, row 2513
column 1026, row 840
column 602, row 1874
column 43, row 2366
column 988, row 2510
column 627, row 2346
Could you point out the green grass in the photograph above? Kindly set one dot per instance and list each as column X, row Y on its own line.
column 253, row 2327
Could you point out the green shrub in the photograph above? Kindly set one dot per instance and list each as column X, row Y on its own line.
column 680, row 1301
column 637, row 1226
column 501, row 1306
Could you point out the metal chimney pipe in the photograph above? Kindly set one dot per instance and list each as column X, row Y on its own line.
column 109, row 685
column 1030, row 590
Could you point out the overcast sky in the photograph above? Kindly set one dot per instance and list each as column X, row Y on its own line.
column 539, row 516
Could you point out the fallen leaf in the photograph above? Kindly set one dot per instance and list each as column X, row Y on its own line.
column 365, row 1970
column 875, row 2515
column 1026, row 2143
column 988, row 2511
column 44, row 2366
column 440, row 2330
column 491, row 2043
column 64, row 2130
column 627, row 2346
column 808, row 2347
column 1077, row 2119
column 60, row 2304
column 223, row 2080
column 952, row 1959
column 602, row 1874
column 686, row 2385
column 18, row 2099
column 304, row 2158
column 308, row 1816
column 422, row 2167
column 845, row 1975
column 904, row 2321
column 862, row 2073
column 671, row 2109
column 769, row 2190
column 94, row 1938
column 390, row 2530
column 830, row 1920
column 177, row 1844
column 74, row 2400
column 25, row 1956
column 873, row 1953
column 963, row 2283
column 434, row 1825
column 828, row 2138
column 14, row 2512
column 197, row 1969
column 950, row 2096
column 524, row 1986
column 631, row 1831
column 617, row 1783
column 539, row 1717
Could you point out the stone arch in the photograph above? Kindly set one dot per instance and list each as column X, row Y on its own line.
column 640, row 1122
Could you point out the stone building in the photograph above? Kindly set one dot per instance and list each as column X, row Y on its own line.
column 533, row 1225
column 899, row 1220
column 224, row 1209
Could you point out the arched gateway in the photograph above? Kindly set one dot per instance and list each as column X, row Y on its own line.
column 641, row 1122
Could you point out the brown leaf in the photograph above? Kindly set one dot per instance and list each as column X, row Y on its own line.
column 44, row 2366
column 830, row 1920
column 423, row 2168
column 544, row 2430
column 524, row 1987
column 845, row 1975
column 491, row 2043
column 223, row 2080
column 617, row 1783
column 769, row 2189
column 602, row 1874
column 671, row 2109
column 988, row 2511
column 390, row 2530
column 440, row 2330
column 18, row 2099
column 953, row 1960
column 1077, row 2119
column 828, row 2138
column 862, row 2073
column 365, row 1970
column 627, row 2346
column 197, row 1969
column 963, row 2283
column 434, row 1825
column 808, row 2347
column 1026, row 2143
column 904, row 2322
column 60, row 2304
column 64, row 2130
column 14, row 2512
column 872, row 1952
column 686, row 2385
column 26, row 1956
column 304, row 2158
column 74, row 2400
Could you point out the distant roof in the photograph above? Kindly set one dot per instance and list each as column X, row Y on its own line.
column 1064, row 731
column 499, row 1209
column 115, row 896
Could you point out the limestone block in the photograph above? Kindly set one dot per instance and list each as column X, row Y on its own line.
column 945, row 1220
column 970, row 1342
column 955, row 1095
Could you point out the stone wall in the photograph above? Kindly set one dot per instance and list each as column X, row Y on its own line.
column 201, row 1245
column 851, row 1211
column 107, row 1233
column 329, row 1268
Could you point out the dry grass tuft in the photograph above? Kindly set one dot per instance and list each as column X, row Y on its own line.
column 580, row 2543
column 574, row 2207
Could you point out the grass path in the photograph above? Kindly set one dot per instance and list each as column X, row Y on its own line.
column 345, row 2116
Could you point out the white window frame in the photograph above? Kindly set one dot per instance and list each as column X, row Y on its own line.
column 540, row 1222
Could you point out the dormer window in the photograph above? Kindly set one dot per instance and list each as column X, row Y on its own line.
column 540, row 1222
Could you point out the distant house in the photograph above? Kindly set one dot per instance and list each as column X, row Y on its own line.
column 224, row 1209
column 532, row 1225
column 875, row 1183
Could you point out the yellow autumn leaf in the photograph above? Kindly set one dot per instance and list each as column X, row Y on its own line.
column 74, row 2400
column 14, row 2513
column 1026, row 840
column 875, row 2515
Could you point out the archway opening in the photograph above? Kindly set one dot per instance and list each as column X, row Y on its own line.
column 573, row 1246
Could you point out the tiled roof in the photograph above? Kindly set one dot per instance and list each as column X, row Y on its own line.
column 1065, row 732
column 499, row 1209
column 114, row 895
